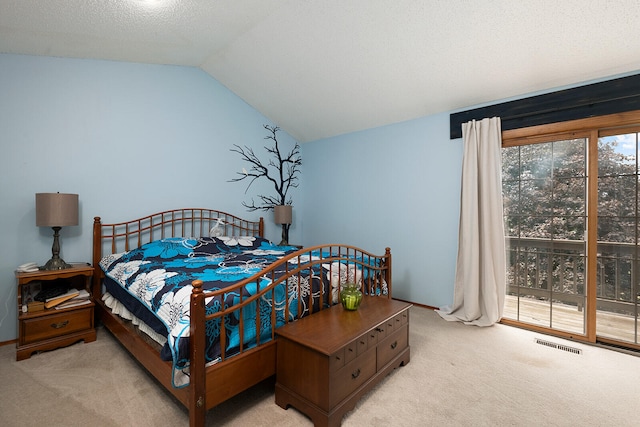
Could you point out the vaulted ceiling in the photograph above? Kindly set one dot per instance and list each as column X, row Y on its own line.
column 320, row 68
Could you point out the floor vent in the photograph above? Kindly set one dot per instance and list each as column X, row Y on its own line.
column 558, row 346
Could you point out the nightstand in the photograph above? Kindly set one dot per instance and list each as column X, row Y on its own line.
column 48, row 329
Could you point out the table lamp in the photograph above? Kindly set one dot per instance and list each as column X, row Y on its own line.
column 56, row 210
column 283, row 214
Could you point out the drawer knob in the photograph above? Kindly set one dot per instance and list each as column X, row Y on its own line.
column 355, row 374
column 394, row 345
column 59, row 324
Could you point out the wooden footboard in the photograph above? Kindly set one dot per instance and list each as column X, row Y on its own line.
column 250, row 364
column 341, row 262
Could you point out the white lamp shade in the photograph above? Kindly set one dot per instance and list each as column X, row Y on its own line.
column 56, row 209
column 283, row 214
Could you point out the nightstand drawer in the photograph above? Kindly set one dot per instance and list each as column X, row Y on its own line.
column 55, row 325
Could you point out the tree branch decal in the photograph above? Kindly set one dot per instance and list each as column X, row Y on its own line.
column 281, row 171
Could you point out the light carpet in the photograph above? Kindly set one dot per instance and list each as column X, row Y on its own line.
column 458, row 376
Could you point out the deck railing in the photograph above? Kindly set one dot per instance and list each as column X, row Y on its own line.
column 556, row 270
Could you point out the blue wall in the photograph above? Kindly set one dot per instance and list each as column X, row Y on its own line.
column 129, row 139
column 132, row 139
column 396, row 186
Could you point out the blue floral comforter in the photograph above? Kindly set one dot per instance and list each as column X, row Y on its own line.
column 159, row 275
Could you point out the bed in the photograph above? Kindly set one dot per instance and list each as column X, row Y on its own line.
column 228, row 291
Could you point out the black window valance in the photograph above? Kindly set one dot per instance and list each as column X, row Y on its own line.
column 597, row 99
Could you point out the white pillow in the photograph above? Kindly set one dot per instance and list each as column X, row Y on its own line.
column 339, row 275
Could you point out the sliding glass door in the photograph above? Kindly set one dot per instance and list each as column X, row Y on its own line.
column 572, row 224
column 618, row 293
column 544, row 187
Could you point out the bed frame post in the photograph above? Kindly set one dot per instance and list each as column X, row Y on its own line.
column 97, row 255
column 261, row 227
column 197, row 388
column 387, row 272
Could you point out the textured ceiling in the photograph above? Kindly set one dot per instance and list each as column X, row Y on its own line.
column 320, row 68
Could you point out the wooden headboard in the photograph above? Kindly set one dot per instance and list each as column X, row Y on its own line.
column 188, row 222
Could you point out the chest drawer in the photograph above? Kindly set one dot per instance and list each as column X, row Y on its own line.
column 55, row 325
column 401, row 319
column 351, row 376
column 392, row 345
column 336, row 361
column 349, row 353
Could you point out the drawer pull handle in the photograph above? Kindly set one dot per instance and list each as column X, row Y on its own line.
column 355, row 374
column 394, row 345
column 380, row 330
column 59, row 324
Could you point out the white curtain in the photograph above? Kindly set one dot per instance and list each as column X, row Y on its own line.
column 479, row 289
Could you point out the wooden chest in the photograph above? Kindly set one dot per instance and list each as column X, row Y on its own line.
column 327, row 361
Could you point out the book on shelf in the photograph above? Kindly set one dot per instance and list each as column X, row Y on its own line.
column 81, row 298
column 52, row 302
column 72, row 303
column 71, row 294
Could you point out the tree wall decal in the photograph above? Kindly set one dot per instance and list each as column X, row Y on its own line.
column 280, row 169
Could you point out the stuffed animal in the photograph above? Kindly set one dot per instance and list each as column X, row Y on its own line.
column 218, row 229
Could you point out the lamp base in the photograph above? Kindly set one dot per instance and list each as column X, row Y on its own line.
column 285, row 235
column 55, row 264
